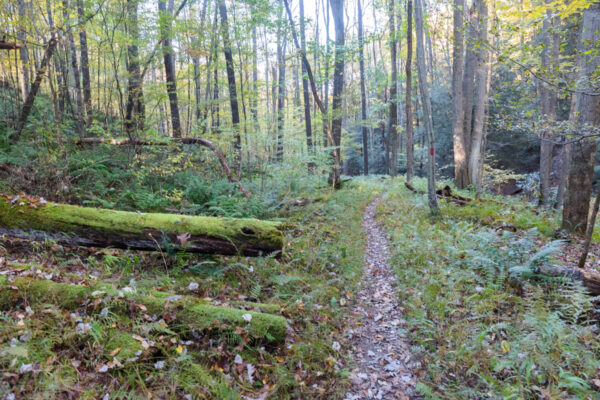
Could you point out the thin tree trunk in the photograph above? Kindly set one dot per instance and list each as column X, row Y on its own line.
column 35, row 86
column 233, row 99
column 548, row 102
column 363, row 90
column 590, row 232
column 469, row 82
column 80, row 112
column 426, row 103
column 134, row 110
column 24, row 56
column 85, row 64
column 305, row 93
column 410, row 157
column 392, row 137
column 165, row 16
column 461, row 177
column 281, row 47
column 337, row 10
column 587, row 111
column 481, row 98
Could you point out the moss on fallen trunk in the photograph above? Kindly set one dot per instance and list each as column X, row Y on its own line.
column 190, row 312
column 86, row 226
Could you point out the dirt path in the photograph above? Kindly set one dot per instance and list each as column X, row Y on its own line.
column 379, row 346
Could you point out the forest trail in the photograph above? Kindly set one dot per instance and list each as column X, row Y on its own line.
column 379, row 348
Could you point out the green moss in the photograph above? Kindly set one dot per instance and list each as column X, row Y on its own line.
column 191, row 311
column 86, row 220
column 129, row 347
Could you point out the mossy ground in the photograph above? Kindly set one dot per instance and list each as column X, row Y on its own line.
column 78, row 345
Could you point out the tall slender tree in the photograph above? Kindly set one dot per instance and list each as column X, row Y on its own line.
column 305, row 90
column 410, row 158
column 134, row 110
column 85, row 63
column 233, row 98
column 165, row 17
column 392, row 138
column 337, row 11
column 363, row 90
column 426, row 105
column 461, row 177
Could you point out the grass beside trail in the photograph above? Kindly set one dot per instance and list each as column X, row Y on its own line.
column 47, row 351
column 482, row 322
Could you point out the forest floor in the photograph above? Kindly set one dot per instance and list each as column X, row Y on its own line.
column 378, row 340
column 382, row 300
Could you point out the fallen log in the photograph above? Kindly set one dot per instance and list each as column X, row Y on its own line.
column 10, row 45
column 30, row 218
column 188, row 140
column 189, row 312
column 445, row 193
column 590, row 279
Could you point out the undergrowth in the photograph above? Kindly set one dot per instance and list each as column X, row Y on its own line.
column 483, row 323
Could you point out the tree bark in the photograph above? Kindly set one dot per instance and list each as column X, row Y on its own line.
column 80, row 111
column 410, row 155
column 548, row 102
column 481, row 98
column 165, row 18
column 392, row 136
column 24, row 56
column 469, row 81
column 85, row 64
column 135, row 112
column 590, row 232
column 305, row 89
column 426, row 104
column 35, row 86
column 337, row 10
column 233, row 99
column 461, row 177
column 281, row 48
column 363, row 90
column 85, row 226
column 587, row 111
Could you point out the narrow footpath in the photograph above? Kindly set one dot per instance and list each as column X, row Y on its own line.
column 380, row 348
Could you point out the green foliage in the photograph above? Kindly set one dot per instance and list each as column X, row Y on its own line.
column 485, row 322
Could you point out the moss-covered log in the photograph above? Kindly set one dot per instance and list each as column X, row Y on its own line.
column 590, row 279
column 189, row 312
column 25, row 217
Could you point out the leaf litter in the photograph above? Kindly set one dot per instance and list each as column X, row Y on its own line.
column 384, row 364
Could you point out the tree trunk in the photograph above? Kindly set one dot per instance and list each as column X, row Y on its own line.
column 85, row 226
column 548, row 102
column 24, row 56
column 165, row 16
column 461, row 177
column 134, row 112
column 233, row 99
column 590, row 232
column 393, row 116
column 35, row 86
column 85, row 64
column 410, row 157
column 587, row 111
column 426, row 104
column 281, row 48
column 192, row 313
column 469, row 81
column 481, row 97
column 337, row 10
column 80, row 112
column 305, row 89
column 363, row 90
